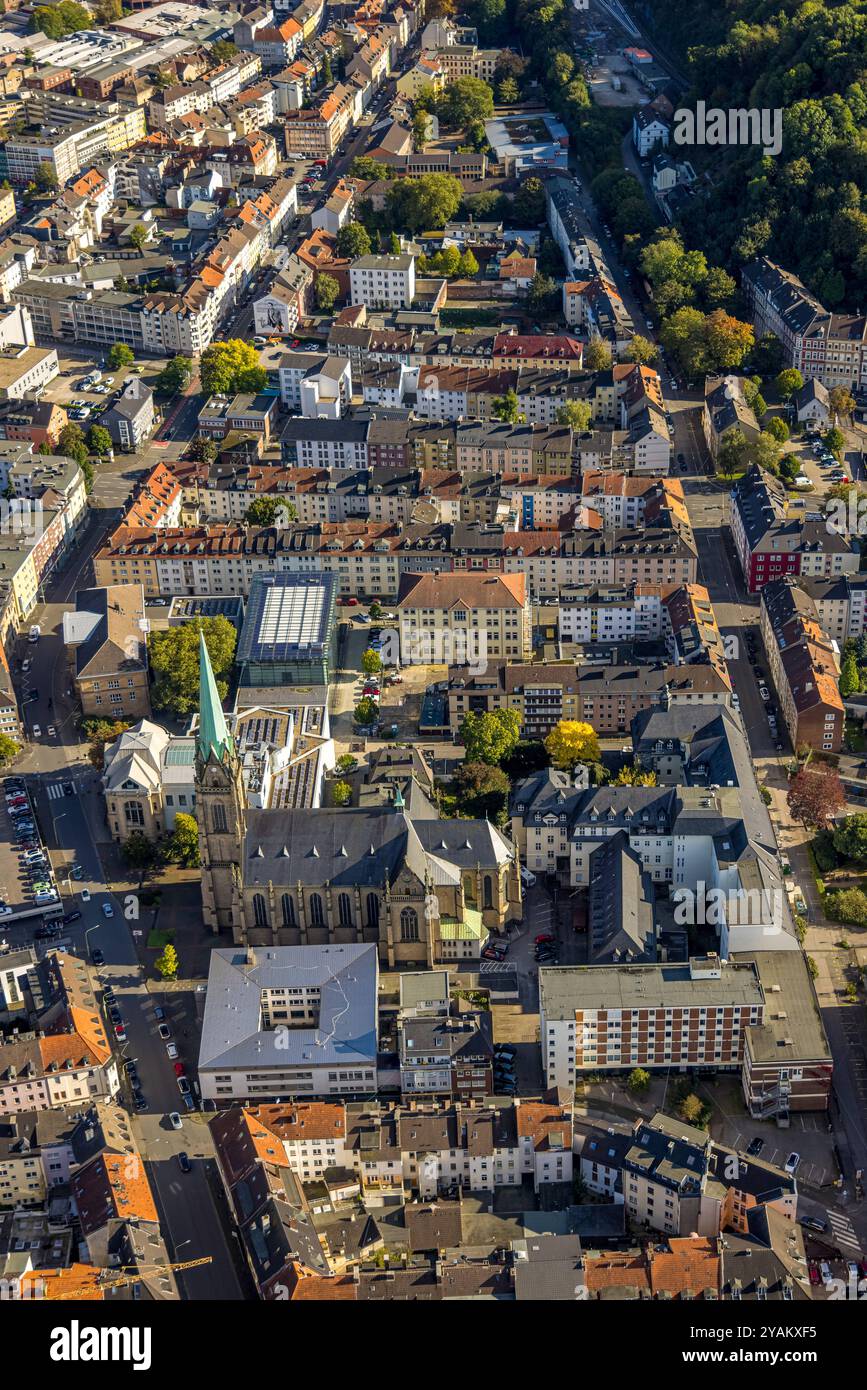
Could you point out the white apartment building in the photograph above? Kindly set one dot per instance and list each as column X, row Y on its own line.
column 383, row 282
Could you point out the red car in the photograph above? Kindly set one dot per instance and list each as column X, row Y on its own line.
column 545, row 936
column 815, row 1276
column 349, row 601
column 179, row 1068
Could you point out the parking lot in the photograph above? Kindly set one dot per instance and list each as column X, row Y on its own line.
column 27, row 884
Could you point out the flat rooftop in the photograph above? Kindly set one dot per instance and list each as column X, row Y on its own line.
column 565, row 989
column 287, row 615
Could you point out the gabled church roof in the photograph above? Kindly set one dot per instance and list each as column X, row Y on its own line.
column 213, row 733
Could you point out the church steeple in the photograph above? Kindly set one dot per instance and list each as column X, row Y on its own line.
column 213, row 734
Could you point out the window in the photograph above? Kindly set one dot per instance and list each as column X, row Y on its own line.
column 317, row 915
column 219, row 817
column 260, row 912
column 133, row 813
column 488, row 892
column 288, row 907
column 372, row 910
column 409, row 924
column 344, row 909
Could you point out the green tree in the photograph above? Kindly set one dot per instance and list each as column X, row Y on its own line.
column 788, row 382
column 850, row 678
column 174, row 661
column 139, row 853
column 183, row 844
column 370, row 170
column 468, row 265
column 542, row 296
column 528, row 756
column 529, row 204
column 640, row 350
column 231, row 366
column 841, row 401
column 420, row 128
column 341, row 793
column 835, row 442
column 371, row 662
column 175, row 375
column 71, row 442
column 394, row 246
column 327, row 291
column 464, row 101
column 100, row 732
column 166, row 965
column 366, row 711
column 45, row 179
column 120, row 355
column 598, row 356
column 353, row 241
column 9, row 749
column 850, row 837
column 425, row 204
column 223, row 50
column 508, row 91
column 482, row 792
column 203, row 450
column 56, row 21
column 575, row 413
column 638, row 1081
column 346, row 763
column 570, row 742
column 506, row 408
column 691, row 1110
column 732, row 452
column 99, row 440
column 491, row 736
column 138, row 235
column 847, row 905
column 267, row 511
column 778, row 429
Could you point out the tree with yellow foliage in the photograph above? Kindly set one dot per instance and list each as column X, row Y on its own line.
column 571, row 742
column 634, row 776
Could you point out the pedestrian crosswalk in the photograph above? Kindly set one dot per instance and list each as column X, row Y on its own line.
column 841, row 1228
column 55, row 790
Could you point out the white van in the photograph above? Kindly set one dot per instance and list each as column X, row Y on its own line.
column 35, row 633
column 527, row 878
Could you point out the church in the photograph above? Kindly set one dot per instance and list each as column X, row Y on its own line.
column 426, row 890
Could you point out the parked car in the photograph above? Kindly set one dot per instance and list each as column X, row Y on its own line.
column 96, row 956
column 545, row 936
column 183, row 1085
column 179, row 1068
column 175, row 1120
column 171, row 1050
column 72, row 916
column 791, row 1163
column 165, row 1032
column 755, row 1147
column 184, row 1163
column 107, row 910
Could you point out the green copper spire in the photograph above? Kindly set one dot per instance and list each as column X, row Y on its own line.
column 399, row 803
column 213, row 736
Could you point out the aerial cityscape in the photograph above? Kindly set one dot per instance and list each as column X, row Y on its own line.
column 433, row 655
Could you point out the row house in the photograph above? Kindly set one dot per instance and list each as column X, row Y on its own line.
column 202, row 559
column 286, row 302
column 772, row 540
column 317, row 131
column 832, row 348
column 804, row 665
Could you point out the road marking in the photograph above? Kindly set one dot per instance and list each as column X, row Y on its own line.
column 843, row 1230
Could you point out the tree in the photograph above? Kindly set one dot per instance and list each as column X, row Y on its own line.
column 394, row 246
column 425, row 204
column 175, row 375
column 788, row 382
column 341, row 793
column 183, row 845
column 56, row 21
column 9, row 749
column 366, row 711
column 778, row 429
column 542, row 294
column 231, row 366
column 375, row 611
column 420, row 128
column 370, row 170
column 731, row 453
column 223, row 50
column 107, row 11
column 491, row 736
column 353, row 241
column 138, row 235
column 506, row 408
column 99, row 440
column 847, row 905
column 45, row 179
column 508, row 91
column 640, row 350
column 71, row 442
column 835, row 442
column 526, row 757
column 529, row 205
column 468, row 265
column 482, row 792
column 691, row 1110
column 100, row 732
column 371, row 662
column 570, row 742
column 841, row 401
column 577, row 414
column 598, row 356
column 850, row 679
column 174, row 661
column 464, row 101
column 120, row 355
column 269, row 511
column 203, row 450
column 850, row 837
column 166, row 965
column 638, row 1081
column 327, row 291
column 139, row 853
column 816, row 794
column 346, row 763
column 634, row 776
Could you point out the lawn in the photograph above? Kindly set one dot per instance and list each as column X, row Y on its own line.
column 159, row 938
column 470, row 318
